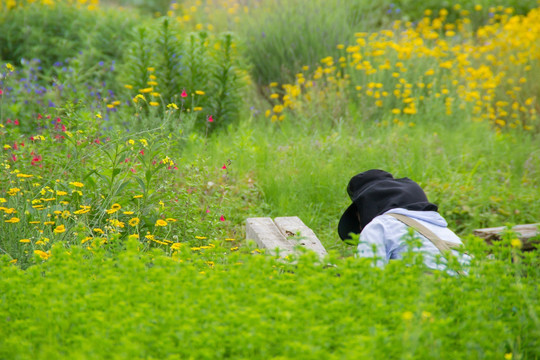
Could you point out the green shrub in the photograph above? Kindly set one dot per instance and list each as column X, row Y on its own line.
column 217, row 303
column 60, row 31
column 198, row 72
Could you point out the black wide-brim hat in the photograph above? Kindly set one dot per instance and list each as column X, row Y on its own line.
column 374, row 192
column 348, row 223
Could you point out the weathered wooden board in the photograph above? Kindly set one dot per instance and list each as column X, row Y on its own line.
column 284, row 233
column 292, row 227
column 524, row 232
column 267, row 236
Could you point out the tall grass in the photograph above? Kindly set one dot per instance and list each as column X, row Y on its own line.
column 479, row 180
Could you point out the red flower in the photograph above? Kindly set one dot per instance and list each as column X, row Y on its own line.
column 210, row 118
column 183, row 94
column 222, row 218
column 37, row 158
column 16, row 122
column 1, row 92
column 224, row 167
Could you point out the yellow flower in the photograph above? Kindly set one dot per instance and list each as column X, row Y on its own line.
column 24, row 240
column 86, row 239
column 200, row 237
column 76, row 184
column 150, row 69
column 48, row 223
column 128, row 212
column 13, row 191
column 173, row 106
column 170, row 220
column 161, row 222
column 176, row 246
column 13, row 220
column 2, row 200
column 128, row 87
column 98, row 230
column 116, row 223
column 153, row 103
column 199, row 92
column 134, row 222
column 146, row 90
column 516, row 243
column 42, row 254
column 137, row 196
column 59, row 229
column 197, row 108
column 114, row 208
column 407, row 315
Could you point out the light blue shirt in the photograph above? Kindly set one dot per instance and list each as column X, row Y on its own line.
column 388, row 234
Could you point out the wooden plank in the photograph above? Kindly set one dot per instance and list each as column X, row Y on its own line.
column 267, row 236
column 524, row 232
column 292, row 226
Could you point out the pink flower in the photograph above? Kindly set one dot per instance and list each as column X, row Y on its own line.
column 208, row 211
column 132, row 170
column 141, row 152
column 210, row 118
column 1, row 92
column 222, row 218
column 39, row 117
column 183, row 94
column 16, row 122
column 224, row 167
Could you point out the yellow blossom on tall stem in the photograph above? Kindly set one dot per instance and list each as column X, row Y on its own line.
column 161, row 222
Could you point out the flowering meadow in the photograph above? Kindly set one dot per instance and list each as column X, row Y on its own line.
column 137, row 136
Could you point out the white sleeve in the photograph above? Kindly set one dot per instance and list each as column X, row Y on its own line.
column 372, row 243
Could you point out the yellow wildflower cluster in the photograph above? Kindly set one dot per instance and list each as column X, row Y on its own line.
column 399, row 72
column 13, row 4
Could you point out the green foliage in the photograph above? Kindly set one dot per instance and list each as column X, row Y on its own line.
column 482, row 10
column 302, row 168
column 293, row 34
column 54, row 33
column 203, row 304
column 120, row 226
column 198, row 72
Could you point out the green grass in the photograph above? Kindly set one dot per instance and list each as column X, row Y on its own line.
column 478, row 178
column 122, row 225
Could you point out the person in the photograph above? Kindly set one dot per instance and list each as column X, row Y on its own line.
column 382, row 210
